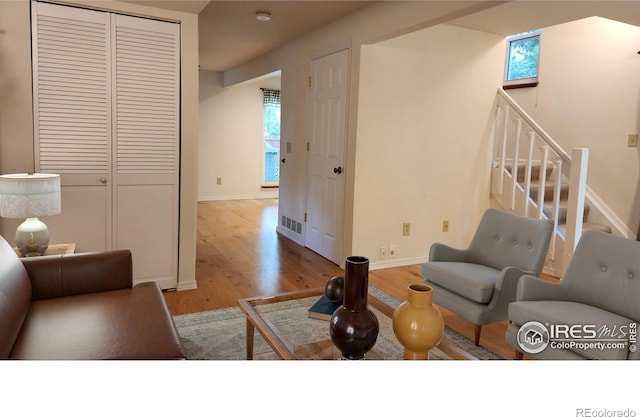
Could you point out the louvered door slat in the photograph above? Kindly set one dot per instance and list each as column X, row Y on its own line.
column 72, row 91
column 146, row 76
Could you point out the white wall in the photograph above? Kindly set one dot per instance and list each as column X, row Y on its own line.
column 231, row 147
column 423, row 145
column 589, row 96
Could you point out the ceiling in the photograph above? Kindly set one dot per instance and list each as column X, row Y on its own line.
column 519, row 16
column 230, row 35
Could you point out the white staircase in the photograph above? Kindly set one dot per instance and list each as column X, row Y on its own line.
column 527, row 160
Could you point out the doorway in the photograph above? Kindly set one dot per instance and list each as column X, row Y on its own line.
column 234, row 155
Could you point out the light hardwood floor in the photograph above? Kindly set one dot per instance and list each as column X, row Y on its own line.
column 239, row 254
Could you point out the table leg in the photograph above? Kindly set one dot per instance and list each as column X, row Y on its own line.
column 250, row 331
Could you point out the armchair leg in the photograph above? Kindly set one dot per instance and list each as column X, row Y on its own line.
column 519, row 355
column 477, row 335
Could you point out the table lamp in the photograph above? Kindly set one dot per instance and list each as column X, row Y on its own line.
column 30, row 196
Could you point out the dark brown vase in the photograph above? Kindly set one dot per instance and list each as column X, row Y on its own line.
column 353, row 327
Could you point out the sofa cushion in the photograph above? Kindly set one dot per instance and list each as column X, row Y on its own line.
column 607, row 325
column 125, row 324
column 15, row 295
column 472, row 281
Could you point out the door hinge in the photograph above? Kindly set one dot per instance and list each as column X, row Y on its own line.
column 305, row 217
column 309, row 81
column 307, row 146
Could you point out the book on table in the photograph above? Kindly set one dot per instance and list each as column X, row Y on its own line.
column 323, row 308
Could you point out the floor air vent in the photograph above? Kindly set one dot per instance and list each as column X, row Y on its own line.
column 292, row 225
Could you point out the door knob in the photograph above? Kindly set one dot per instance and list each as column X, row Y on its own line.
column 337, row 170
column 103, row 180
column 284, row 160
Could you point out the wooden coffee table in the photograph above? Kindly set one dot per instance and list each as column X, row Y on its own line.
column 322, row 349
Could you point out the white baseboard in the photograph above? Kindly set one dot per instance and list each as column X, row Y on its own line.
column 190, row 285
column 608, row 216
column 263, row 195
column 290, row 235
column 393, row 263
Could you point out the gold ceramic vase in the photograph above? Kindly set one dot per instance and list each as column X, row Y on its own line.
column 417, row 323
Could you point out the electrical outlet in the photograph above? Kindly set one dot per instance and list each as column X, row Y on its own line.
column 633, row 141
column 384, row 252
column 392, row 251
column 406, row 229
column 219, row 180
column 445, row 225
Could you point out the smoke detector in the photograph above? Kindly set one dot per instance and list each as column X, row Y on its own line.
column 263, row 16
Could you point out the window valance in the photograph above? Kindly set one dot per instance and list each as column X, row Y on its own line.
column 271, row 96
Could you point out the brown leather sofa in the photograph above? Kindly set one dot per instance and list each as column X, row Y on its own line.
column 81, row 306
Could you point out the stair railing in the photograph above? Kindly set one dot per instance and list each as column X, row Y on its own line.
column 522, row 151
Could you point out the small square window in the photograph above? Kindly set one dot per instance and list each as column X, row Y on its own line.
column 522, row 60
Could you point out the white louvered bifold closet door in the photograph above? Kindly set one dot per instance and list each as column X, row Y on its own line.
column 106, row 110
column 146, row 146
column 72, row 116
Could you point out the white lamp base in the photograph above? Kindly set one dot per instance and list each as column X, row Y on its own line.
column 32, row 237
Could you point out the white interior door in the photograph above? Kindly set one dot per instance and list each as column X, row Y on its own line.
column 146, row 126
column 327, row 136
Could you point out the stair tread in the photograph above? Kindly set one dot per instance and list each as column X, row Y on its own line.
column 535, row 171
column 549, row 190
column 562, row 205
column 590, row 226
column 548, row 184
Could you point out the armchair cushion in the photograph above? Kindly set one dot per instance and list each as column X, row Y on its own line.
column 504, row 239
column 472, row 281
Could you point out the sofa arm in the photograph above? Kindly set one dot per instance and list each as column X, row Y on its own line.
column 83, row 273
column 531, row 288
column 444, row 253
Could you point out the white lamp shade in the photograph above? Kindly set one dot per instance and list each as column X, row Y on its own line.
column 29, row 195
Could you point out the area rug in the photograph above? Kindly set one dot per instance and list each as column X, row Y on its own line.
column 220, row 334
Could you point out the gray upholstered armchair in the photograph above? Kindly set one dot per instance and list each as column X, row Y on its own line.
column 479, row 282
column 597, row 300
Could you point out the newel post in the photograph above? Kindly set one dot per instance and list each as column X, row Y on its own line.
column 575, row 203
